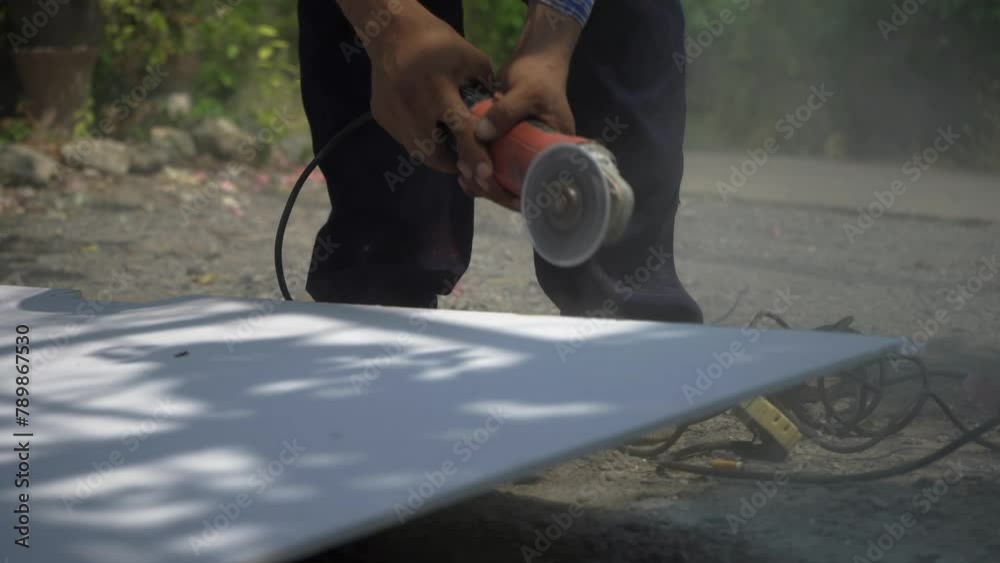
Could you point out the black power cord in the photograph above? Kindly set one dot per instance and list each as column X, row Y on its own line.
column 824, row 478
column 279, row 237
column 836, row 431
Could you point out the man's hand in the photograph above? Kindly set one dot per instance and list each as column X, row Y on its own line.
column 419, row 62
column 533, row 86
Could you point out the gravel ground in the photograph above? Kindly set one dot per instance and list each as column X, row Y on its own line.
column 177, row 239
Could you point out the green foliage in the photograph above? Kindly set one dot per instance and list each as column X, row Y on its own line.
column 238, row 49
column 225, row 53
column 241, row 53
column 84, row 119
column 893, row 89
column 14, row 130
column 205, row 107
column 940, row 68
column 494, row 26
column 133, row 28
column 143, row 33
column 896, row 80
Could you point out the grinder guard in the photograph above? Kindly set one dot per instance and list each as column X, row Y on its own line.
column 573, row 198
column 574, row 201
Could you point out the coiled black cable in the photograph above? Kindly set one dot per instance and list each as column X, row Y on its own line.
column 836, row 432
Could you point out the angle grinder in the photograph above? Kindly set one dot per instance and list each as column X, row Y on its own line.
column 573, row 198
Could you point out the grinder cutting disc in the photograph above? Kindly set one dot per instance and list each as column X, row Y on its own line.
column 570, row 206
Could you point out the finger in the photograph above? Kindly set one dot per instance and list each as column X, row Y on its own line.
column 473, row 155
column 507, row 111
column 472, row 188
column 465, row 172
column 469, row 187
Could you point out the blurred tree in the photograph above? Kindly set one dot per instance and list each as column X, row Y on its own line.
column 494, row 26
column 900, row 69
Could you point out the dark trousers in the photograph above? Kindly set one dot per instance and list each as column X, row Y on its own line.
column 404, row 243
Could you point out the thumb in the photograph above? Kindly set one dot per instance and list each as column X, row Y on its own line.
column 503, row 115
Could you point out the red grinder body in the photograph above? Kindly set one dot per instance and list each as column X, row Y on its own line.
column 513, row 153
column 573, row 198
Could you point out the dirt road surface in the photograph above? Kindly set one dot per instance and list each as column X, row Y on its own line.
column 783, row 232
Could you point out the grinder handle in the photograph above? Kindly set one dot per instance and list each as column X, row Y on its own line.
column 513, row 153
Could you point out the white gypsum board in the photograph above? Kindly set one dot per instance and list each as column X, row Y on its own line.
column 225, row 429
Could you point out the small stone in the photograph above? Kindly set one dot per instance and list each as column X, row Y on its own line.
column 178, row 105
column 105, row 155
column 179, row 145
column 20, row 164
column 296, row 146
column 147, row 159
column 881, row 503
column 220, row 138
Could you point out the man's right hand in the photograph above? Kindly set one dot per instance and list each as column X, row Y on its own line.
column 419, row 62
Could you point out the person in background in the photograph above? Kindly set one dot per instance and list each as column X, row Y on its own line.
column 605, row 70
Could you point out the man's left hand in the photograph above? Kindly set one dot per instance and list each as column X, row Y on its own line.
column 532, row 86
